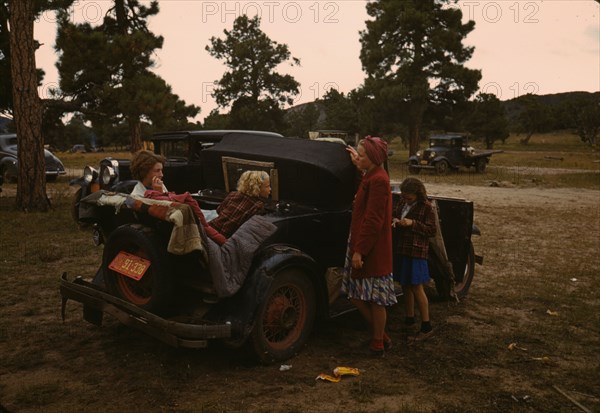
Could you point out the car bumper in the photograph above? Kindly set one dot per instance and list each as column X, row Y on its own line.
column 419, row 166
column 175, row 333
column 52, row 173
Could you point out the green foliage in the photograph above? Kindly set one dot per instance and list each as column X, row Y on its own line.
column 251, row 86
column 302, row 119
column 341, row 112
column 533, row 118
column 413, row 55
column 487, row 119
column 583, row 113
column 105, row 72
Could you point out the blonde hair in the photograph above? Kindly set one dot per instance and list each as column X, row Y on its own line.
column 251, row 182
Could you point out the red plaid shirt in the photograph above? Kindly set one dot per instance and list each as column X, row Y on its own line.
column 236, row 209
column 414, row 240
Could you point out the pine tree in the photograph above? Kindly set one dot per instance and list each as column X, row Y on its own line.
column 413, row 55
column 105, row 69
column 251, row 87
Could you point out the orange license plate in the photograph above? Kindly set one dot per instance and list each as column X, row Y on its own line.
column 423, row 162
column 129, row 265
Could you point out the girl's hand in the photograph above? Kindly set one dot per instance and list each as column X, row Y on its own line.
column 157, row 184
column 395, row 222
column 404, row 222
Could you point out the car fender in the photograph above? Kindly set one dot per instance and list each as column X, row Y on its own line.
column 413, row 158
column 241, row 309
column 443, row 158
column 8, row 163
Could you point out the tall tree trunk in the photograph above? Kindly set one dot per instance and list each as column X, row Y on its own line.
column 135, row 131
column 31, row 183
column 413, row 137
column 415, row 119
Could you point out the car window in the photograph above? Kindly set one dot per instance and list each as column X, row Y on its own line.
column 440, row 142
column 174, row 149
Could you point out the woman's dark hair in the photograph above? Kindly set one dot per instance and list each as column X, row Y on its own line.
column 414, row 186
column 142, row 162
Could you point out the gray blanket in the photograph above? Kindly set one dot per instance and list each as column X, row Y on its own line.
column 229, row 264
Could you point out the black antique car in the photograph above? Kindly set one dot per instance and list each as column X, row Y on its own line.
column 449, row 151
column 9, row 166
column 266, row 286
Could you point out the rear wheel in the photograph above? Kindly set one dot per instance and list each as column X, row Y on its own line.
column 9, row 176
column 285, row 318
column 480, row 165
column 462, row 284
column 442, row 167
column 154, row 291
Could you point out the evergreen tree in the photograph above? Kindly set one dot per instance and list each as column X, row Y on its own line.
column 413, row 55
column 105, row 71
column 533, row 118
column 341, row 112
column 487, row 119
column 251, row 87
column 302, row 119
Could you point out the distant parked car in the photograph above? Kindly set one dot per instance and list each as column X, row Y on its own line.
column 78, row 149
column 9, row 167
column 449, row 151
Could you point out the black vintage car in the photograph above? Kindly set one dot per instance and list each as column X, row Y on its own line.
column 9, row 166
column 271, row 280
column 449, row 151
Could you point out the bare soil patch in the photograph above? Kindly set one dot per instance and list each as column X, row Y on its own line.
column 538, row 290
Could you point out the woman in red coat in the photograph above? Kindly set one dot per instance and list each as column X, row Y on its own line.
column 368, row 280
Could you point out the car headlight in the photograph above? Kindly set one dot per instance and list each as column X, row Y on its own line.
column 418, row 154
column 432, row 154
column 89, row 174
column 107, row 175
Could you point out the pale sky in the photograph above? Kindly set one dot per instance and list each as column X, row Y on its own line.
column 521, row 47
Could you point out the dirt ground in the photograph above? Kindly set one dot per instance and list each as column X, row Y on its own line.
column 525, row 339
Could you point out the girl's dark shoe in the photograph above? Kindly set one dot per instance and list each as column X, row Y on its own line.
column 421, row 336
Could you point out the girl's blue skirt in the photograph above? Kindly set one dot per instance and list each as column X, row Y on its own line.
column 411, row 271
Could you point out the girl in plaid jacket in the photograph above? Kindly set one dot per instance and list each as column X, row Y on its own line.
column 415, row 220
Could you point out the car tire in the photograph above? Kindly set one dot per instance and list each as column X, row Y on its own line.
column 285, row 318
column 480, row 165
column 9, row 176
column 462, row 285
column 154, row 291
column 443, row 282
column 442, row 167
